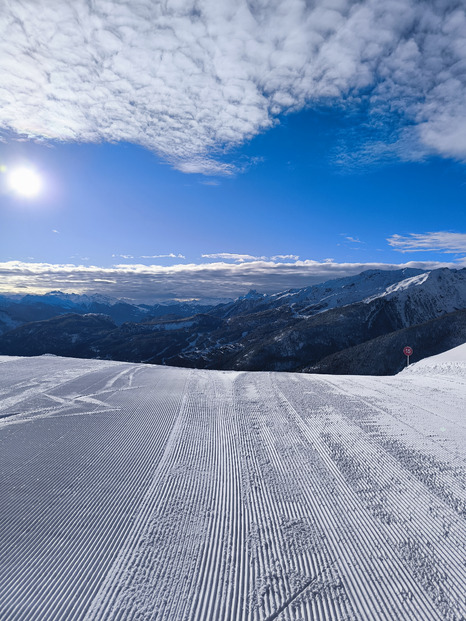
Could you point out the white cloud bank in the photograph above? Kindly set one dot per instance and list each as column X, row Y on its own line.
column 440, row 241
column 150, row 283
column 187, row 78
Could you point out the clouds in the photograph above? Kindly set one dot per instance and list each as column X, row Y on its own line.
column 241, row 258
column 170, row 255
column 232, row 256
column 189, row 78
column 151, row 283
column 284, row 257
column 440, row 241
column 354, row 240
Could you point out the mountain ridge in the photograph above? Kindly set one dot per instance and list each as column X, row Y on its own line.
column 291, row 331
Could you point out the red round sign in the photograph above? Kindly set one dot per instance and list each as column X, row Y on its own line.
column 408, row 351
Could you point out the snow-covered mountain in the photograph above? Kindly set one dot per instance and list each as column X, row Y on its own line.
column 324, row 327
column 324, row 296
column 69, row 300
column 16, row 310
column 427, row 295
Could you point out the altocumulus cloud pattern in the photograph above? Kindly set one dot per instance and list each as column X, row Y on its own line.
column 190, row 78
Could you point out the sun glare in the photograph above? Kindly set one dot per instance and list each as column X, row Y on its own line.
column 25, row 182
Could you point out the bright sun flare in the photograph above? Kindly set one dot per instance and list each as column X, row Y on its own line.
column 25, row 181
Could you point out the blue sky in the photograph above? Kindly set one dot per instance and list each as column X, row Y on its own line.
column 191, row 152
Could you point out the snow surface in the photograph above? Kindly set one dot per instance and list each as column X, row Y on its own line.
column 452, row 362
column 457, row 354
column 138, row 492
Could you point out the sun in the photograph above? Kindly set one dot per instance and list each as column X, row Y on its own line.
column 25, row 181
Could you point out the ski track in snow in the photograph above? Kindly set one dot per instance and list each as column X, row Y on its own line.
column 135, row 493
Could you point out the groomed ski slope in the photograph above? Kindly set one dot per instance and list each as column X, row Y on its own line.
column 134, row 492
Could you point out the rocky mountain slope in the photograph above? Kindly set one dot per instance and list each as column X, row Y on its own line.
column 318, row 298
column 295, row 330
column 382, row 355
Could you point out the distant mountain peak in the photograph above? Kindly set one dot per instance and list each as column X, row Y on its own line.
column 252, row 294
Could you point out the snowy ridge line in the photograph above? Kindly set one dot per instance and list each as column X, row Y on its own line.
column 83, row 555
column 445, row 556
column 452, row 372
column 362, row 586
column 451, row 365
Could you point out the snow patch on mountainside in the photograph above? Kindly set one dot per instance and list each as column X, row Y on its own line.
column 343, row 291
column 407, row 283
column 427, row 295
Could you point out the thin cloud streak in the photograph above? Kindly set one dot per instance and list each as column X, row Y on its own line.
column 232, row 256
column 151, row 283
column 291, row 257
column 191, row 79
column 440, row 241
column 171, row 255
column 240, row 258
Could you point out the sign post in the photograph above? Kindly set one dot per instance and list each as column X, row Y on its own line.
column 408, row 351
